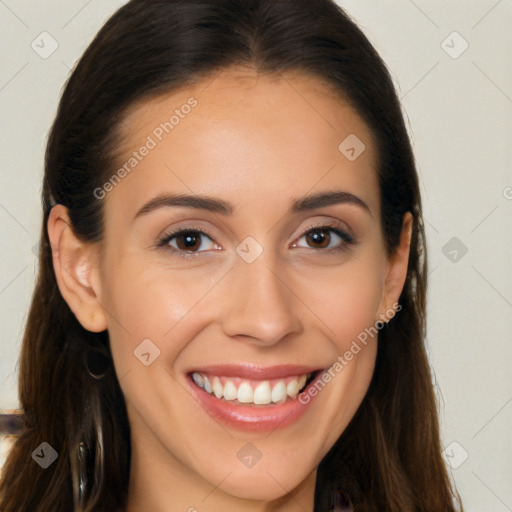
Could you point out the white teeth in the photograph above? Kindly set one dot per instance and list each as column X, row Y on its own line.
column 245, row 393
column 293, row 388
column 198, row 379
column 279, row 392
column 217, row 387
column 230, row 391
column 262, row 394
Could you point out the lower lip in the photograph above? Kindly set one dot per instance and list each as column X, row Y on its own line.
column 256, row 418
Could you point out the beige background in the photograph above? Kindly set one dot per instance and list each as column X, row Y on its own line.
column 459, row 107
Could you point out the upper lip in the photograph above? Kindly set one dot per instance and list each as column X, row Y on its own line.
column 256, row 372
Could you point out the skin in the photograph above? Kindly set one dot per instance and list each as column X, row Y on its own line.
column 257, row 142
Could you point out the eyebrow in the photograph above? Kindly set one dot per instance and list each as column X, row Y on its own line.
column 212, row 204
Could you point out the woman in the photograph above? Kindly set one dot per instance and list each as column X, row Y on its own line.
column 230, row 307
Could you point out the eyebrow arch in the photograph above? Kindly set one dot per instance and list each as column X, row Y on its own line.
column 323, row 199
column 211, row 204
column 215, row 205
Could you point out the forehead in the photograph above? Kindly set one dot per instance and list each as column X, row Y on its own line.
column 243, row 134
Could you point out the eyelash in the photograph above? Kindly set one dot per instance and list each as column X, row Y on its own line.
column 347, row 239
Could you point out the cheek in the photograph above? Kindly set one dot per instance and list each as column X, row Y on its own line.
column 147, row 300
column 347, row 300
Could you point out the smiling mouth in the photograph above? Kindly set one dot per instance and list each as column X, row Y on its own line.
column 241, row 391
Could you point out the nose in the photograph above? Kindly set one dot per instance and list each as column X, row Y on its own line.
column 259, row 306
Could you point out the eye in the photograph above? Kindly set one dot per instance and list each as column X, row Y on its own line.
column 189, row 242
column 328, row 238
column 186, row 242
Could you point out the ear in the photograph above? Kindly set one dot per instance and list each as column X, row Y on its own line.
column 76, row 270
column 396, row 272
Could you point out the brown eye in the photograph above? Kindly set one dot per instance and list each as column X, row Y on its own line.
column 328, row 238
column 319, row 237
column 187, row 242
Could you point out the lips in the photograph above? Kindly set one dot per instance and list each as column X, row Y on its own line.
column 252, row 397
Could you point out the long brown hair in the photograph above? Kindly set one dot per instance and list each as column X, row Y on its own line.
column 389, row 457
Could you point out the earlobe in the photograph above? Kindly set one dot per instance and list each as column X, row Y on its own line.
column 396, row 271
column 75, row 266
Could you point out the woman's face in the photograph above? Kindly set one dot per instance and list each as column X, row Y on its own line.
column 261, row 262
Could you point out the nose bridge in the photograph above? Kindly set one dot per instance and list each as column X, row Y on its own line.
column 259, row 304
